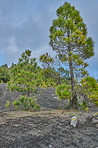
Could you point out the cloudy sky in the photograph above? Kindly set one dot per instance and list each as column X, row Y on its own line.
column 24, row 24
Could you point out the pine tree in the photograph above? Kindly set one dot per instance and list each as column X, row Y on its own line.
column 25, row 77
column 4, row 74
column 53, row 69
column 68, row 37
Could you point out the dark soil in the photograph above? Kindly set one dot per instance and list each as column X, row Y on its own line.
column 45, row 97
column 19, row 129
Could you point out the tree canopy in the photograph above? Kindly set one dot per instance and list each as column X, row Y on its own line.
column 68, row 37
column 4, row 73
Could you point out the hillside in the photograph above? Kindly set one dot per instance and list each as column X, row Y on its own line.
column 50, row 126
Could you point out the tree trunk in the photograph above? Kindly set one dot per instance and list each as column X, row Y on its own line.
column 71, row 74
column 73, row 102
column 59, row 79
column 70, row 62
column 74, row 98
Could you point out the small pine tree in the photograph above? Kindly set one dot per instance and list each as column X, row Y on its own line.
column 4, row 74
column 25, row 77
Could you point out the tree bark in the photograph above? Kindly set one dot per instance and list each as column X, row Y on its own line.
column 70, row 61
column 71, row 74
column 73, row 102
column 71, row 67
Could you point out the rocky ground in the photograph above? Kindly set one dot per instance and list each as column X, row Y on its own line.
column 45, row 97
column 49, row 128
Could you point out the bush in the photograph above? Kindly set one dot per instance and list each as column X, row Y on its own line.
column 27, row 103
column 84, row 105
column 63, row 91
column 7, row 104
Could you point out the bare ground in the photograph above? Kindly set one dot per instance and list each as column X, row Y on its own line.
column 20, row 129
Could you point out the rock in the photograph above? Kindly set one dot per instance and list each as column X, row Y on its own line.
column 97, row 125
column 85, row 118
column 1, row 92
column 95, row 121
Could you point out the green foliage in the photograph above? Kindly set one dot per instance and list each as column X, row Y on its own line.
column 48, row 79
column 90, row 88
column 95, row 114
column 4, row 66
column 84, row 105
column 7, row 104
column 69, row 28
column 25, row 76
column 79, row 66
column 27, row 103
column 1, row 81
column 68, row 37
column 63, row 91
column 4, row 74
column 46, row 59
column 13, row 65
column 50, row 76
column 52, row 70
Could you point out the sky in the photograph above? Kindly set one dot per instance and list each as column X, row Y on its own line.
column 24, row 24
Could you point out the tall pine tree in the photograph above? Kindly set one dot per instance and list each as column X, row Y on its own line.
column 68, row 37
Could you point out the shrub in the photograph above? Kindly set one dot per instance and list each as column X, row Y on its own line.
column 7, row 104
column 63, row 91
column 27, row 103
column 84, row 105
